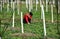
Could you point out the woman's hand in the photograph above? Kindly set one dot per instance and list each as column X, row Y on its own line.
column 28, row 23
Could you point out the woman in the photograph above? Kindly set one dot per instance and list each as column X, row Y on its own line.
column 27, row 18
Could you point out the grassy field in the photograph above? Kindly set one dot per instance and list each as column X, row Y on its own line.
column 32, row 31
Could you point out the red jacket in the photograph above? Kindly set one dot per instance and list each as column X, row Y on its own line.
column 26, row 16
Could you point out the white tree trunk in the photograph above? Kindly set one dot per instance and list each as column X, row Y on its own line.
column 3, row 3
column 40, row 3
column 18, row 8
column 13, row 13
column 46, row 5
column 8, row 6
column 11, row 3
column 29, row 6
column 27, row 3
column 42, row 7
column 52, row 12
column 36, row 4
column 22, row 22
column 0, row 37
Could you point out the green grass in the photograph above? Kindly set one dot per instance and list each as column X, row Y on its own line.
column 36, row 27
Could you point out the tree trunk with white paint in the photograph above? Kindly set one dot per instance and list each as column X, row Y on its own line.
column 22, row 22
column 40, row 3
column 11, row 3
column 0, row 38
column 42, row 7
column 3, row 3
column 18, row 8
column 29, row 6
column 36, row 4
column 52, row 12
column 27, row 3
column 13, row 13
column 46, row 5
column 41, row 10
column 8, row 6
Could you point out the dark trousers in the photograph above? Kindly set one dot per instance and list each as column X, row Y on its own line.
column 24, row 20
